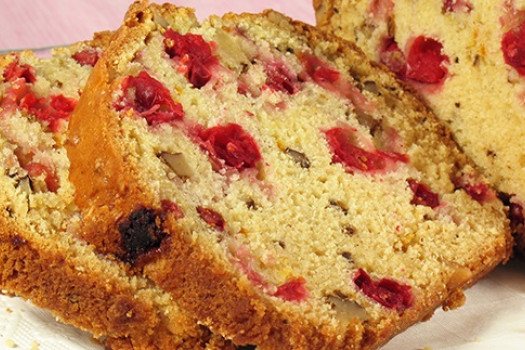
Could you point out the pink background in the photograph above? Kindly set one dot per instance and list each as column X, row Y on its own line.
column 42, row 23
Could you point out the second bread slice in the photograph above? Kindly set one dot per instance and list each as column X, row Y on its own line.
column 283, row 189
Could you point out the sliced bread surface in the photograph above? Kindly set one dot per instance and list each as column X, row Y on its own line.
column 282, row 188
column 465, row 58
column 43, row 257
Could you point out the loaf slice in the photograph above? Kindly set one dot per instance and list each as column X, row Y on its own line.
column 465, row 58
column 42, row 255
column 283, row 189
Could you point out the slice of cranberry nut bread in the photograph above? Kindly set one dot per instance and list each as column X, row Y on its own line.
column 42, row 257
column 278, row 185
column 466, row 59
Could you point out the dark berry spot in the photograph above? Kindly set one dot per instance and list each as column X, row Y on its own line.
column 422, row 194
column 18, row 241
column 515, row 213
column 140, row 233
column 387, row 292
column 213, row 218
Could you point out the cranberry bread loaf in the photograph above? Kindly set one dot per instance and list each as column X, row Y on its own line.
column 466, row 58
column 42, row 255
column 283, row 189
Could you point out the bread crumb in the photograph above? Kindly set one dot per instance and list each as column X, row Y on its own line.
column 10, row 343
column 9, row 310
column 34, row 345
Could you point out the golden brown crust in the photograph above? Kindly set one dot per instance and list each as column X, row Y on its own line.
column 103, row 304
column 178, row 268
column 208, row 288
column 323, row 11
column 95, row 303
column 114, row 197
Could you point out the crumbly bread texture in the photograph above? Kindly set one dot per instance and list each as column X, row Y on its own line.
column 282, row 188
column 42, row 255
column 465, row 57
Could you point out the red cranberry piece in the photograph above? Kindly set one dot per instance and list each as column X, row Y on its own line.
column 53, row 112
column 477, row 190
column 280, row 78
column 35, row 170
column 425, row 61
column 213, row 218
column 342, row 144
column 513, row 46
column 198, row 52
column 231, row 144
column 387, row 292
column 423, row 195
column 150, row 99
column 330, row 79
column 457, row 6
column 516, row 214
column 392, row 57
column 15, row 70
column 318, row 70
column 86, row 57
column 34, row 105
column 293, row 290
column 14, row 94
column 170, row 207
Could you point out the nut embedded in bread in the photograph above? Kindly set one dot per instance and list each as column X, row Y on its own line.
column 42, row 256
column 465, row 58
column 283, row 189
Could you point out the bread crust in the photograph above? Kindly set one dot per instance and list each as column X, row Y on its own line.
column 110, row 189
column 103, row 304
